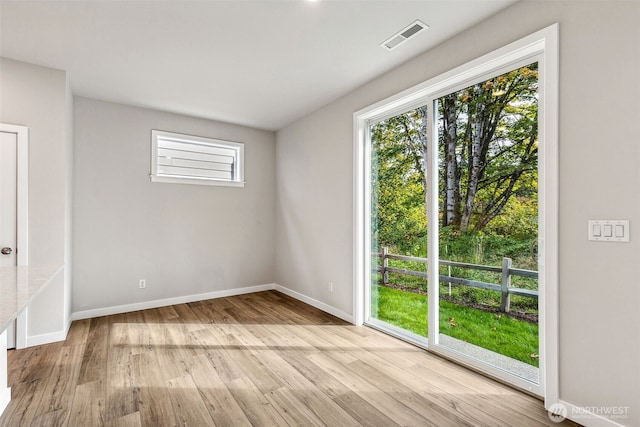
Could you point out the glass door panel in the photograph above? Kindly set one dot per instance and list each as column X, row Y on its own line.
column 398, row 224
column 488, row 221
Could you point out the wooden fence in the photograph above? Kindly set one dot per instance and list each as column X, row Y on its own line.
column 504, row 287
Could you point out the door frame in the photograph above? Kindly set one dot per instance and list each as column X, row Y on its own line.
column 544, row 44
column 22, row 206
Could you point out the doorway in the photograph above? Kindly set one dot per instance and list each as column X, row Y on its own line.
column 8, row 209
column 485, row 153
column 456, row 213
column 14, row 153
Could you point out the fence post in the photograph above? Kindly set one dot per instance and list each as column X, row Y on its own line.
column 385, row 265
column 505, row 284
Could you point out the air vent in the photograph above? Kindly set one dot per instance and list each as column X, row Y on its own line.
column 403, row 35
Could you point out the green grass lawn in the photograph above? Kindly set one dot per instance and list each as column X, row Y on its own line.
column 502, row 334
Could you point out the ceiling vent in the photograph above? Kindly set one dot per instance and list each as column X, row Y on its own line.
column 403, row 35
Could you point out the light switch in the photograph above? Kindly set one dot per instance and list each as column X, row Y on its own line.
column 609, row 230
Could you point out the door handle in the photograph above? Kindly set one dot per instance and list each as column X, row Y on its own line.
column 6, row 251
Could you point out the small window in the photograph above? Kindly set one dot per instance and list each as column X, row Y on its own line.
column 190, row 159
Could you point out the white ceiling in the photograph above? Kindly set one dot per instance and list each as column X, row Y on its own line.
column 257, row 63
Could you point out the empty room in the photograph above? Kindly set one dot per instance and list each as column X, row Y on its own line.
column 319, row 212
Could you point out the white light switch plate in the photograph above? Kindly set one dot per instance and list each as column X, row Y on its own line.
column 609, row 230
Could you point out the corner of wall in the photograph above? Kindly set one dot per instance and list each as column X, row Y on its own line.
column 315, row 303
column 68, row 217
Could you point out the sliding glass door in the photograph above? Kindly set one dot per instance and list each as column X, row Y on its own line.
column 453, row 212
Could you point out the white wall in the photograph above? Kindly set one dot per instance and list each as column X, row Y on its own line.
column 599, row 179
column 38, row 98
column 183, row 239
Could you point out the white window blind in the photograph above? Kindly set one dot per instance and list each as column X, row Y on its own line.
column 196, row 160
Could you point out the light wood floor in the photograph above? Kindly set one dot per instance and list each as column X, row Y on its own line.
column 260, row 359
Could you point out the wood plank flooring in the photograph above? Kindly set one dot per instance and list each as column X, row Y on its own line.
column 260, row 359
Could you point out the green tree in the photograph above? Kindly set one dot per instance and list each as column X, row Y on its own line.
column 489, row 141
column 398, row 181
column 488, row 145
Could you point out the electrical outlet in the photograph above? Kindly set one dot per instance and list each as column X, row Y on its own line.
column 330, row 286
column 142, row 284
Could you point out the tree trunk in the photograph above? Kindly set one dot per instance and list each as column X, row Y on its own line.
column 475, row 156
column 423, row 111
column 450, row 136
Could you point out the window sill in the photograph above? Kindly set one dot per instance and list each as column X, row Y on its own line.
column 196, row 181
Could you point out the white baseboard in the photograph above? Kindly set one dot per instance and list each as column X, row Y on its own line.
column 33, row 340
column 587, row 418
column 106, row 311
column 315, row 303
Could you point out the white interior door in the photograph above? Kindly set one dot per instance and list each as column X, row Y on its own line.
column 8, row 210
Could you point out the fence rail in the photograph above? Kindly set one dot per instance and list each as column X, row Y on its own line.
column 504, row 287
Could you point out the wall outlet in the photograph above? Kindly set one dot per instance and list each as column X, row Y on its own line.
column 142, row 284
column 330, row 286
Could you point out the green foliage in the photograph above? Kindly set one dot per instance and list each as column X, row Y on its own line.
column 487, row 155
column 398, row 191
column 488, row 189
